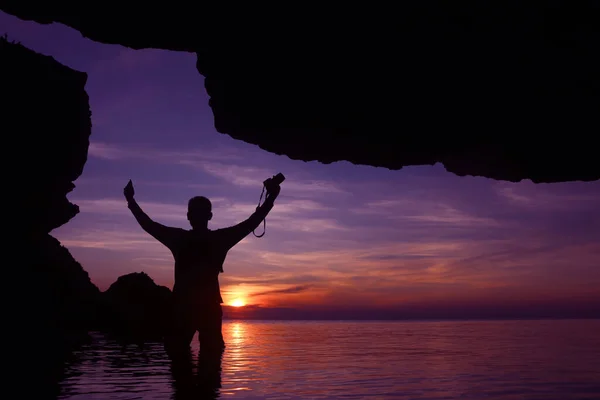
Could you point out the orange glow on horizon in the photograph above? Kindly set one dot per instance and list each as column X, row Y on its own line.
column 238, row 303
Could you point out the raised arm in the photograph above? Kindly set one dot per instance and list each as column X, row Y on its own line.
column 236, row 233
column 164, row 234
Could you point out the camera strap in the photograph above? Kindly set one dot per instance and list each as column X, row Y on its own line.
column 265, row 219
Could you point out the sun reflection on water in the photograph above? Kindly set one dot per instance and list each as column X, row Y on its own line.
column 237, row 330
column 236, row 364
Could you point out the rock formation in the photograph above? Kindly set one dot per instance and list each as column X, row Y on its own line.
column 46, row 127
column 46, row 115
column 136, row 307
column 503, row 89
column 59, row 289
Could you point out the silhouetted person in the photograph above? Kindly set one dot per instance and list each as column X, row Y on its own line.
column 199, row 254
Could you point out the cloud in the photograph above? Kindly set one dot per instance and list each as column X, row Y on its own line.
column 112, row 182
column 111, row 206
column 361, row 257
column 444, row 214
column 108, row 152
column 249, row 176
column 289, row 290
column 271, row 278
column 235, row 174
column 308, row 225
column 476, row 263
column 425, row 211
column 194, row 157
column 118, row 240
column 511, row 194
column 549, row 197
column 284, row 208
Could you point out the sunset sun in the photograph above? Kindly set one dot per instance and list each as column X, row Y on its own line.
column 238, row 303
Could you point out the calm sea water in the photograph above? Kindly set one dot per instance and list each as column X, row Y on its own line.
column 547, row 359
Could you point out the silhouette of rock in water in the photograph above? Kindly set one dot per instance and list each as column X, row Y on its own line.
column 137, row 307
column 502, row 89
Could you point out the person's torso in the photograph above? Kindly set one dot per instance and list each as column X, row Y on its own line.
column 199, row 258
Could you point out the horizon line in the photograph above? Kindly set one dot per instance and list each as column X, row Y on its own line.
column 414, row 319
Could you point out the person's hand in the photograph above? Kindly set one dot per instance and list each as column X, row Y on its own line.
column 128, row 191
column 273, row 191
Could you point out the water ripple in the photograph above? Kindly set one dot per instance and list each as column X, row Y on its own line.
column 341, row 360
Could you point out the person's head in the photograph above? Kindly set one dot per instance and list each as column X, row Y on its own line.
column 199, row 211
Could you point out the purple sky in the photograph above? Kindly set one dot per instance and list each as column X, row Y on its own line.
column 340, row 235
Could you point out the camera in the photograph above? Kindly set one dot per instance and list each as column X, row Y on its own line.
column 275, row 180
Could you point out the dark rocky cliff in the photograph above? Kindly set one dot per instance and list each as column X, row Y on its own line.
column 46, row 125
column 503, row 89
column 46, row 121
